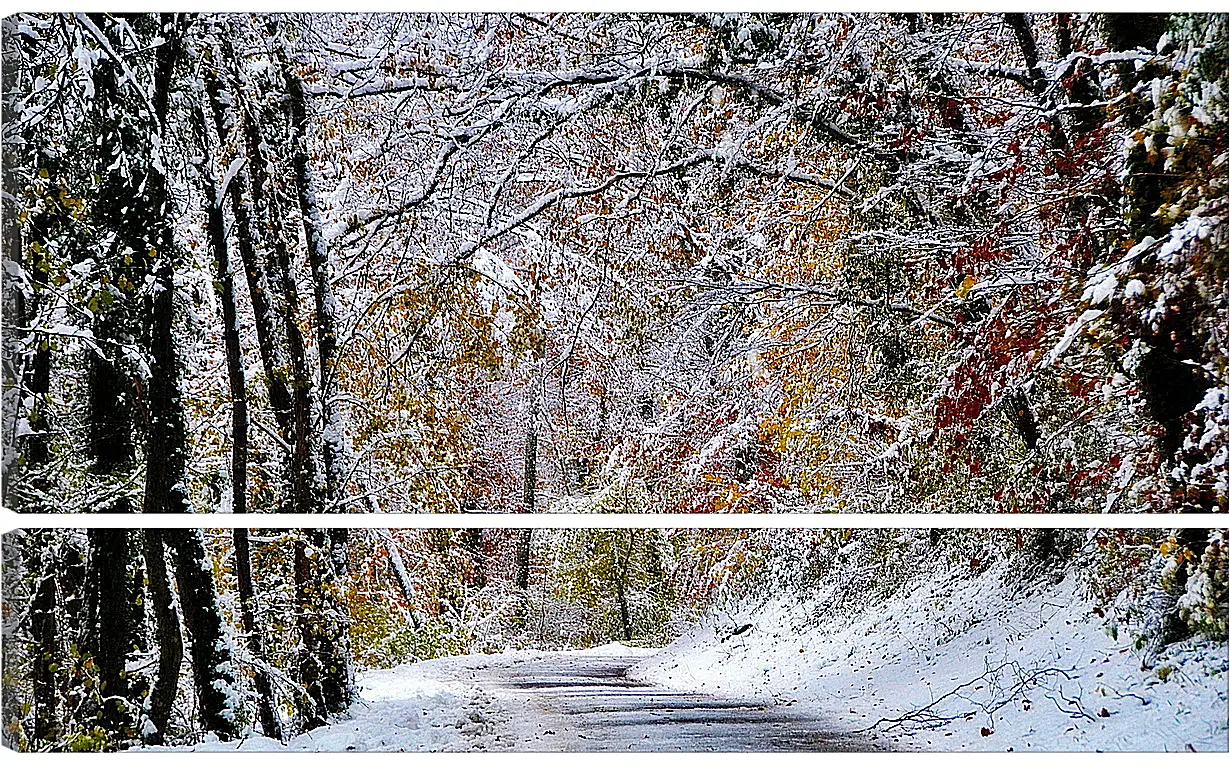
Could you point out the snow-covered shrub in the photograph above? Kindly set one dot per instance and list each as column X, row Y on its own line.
column 1204, row 604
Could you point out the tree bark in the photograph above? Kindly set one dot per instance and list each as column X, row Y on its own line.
column 323, row 664
column 109, row 636
column 1022, row 27
column 400, row 575
column 529, row 494
column 166, row 449
column 213, row 667
column 283, row 349
column 472, row 538
column 227, row 122
column 26, row 372
column 170, row 639
column 267, row 703
column 334, row 445
column 306, row 497
column 224, row 285
column 44, row 629
column 621, row 580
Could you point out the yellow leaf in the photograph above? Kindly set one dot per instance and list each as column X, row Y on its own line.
column 966, row 286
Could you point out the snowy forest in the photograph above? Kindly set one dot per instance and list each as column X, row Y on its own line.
column 614, row 639
column 614, row 263
column 625, row 263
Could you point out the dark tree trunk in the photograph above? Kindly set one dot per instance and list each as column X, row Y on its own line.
column 170, row 639
column 1023, row 418
column 472, row 538
column 340, row 691
column 529, row 495
column 166, row 450
column 267, row 703
column 323, row 663
column 307, row 619
column 44, row 630
column 227, row 122
column 29, row 373
column 529, row 492
column 621, row 582
column 25, row 372
column 16, row 297
column 1081, row 85
column 305, row 497
column 1021, row 26
column 213, row 667
column 224, row 285
column 109, row 635
column 110, row 422
column 1128, row 31
column 76, row 601
column 524, row 543
column 335, row 469
column 274, row 293
column 130, row 204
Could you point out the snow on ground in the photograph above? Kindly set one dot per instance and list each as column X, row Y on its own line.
column 1009, row 671
column 401, row 710
column 440, row 705
column 964, row 662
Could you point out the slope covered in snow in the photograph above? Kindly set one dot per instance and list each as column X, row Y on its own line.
column 965, row 661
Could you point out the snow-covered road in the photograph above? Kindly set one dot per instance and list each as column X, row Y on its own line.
column 550, row 701
column 584, row 701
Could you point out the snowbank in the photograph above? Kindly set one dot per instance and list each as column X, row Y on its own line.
column 401, row 710
column 964, row 662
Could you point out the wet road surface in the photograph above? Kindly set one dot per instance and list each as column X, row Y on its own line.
column 587, row 703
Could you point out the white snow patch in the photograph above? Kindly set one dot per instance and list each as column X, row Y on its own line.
column 945, row 635
column 1070, row 335
column 401, row 710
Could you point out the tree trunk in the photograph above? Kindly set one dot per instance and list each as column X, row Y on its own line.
column 529, row 495
column 1023, row 418
column 1081, row 85
column 307, row 619
column 1022, row 27
column 166, row 449
column 227, row 122
column 16, row 296
column 341, row 689
column 109, row 636
column 323, row 664
column 224, row 285
column 334, row 443
column 621, row 581
column 26, row 372
column 213, row 667
column 170, row 639
column 267, row 704
column 400, row 575
column 472, row 537
column 44, row 630
column 266, row 701
column 524, row 541
column 290, row 384
column 306, row 497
